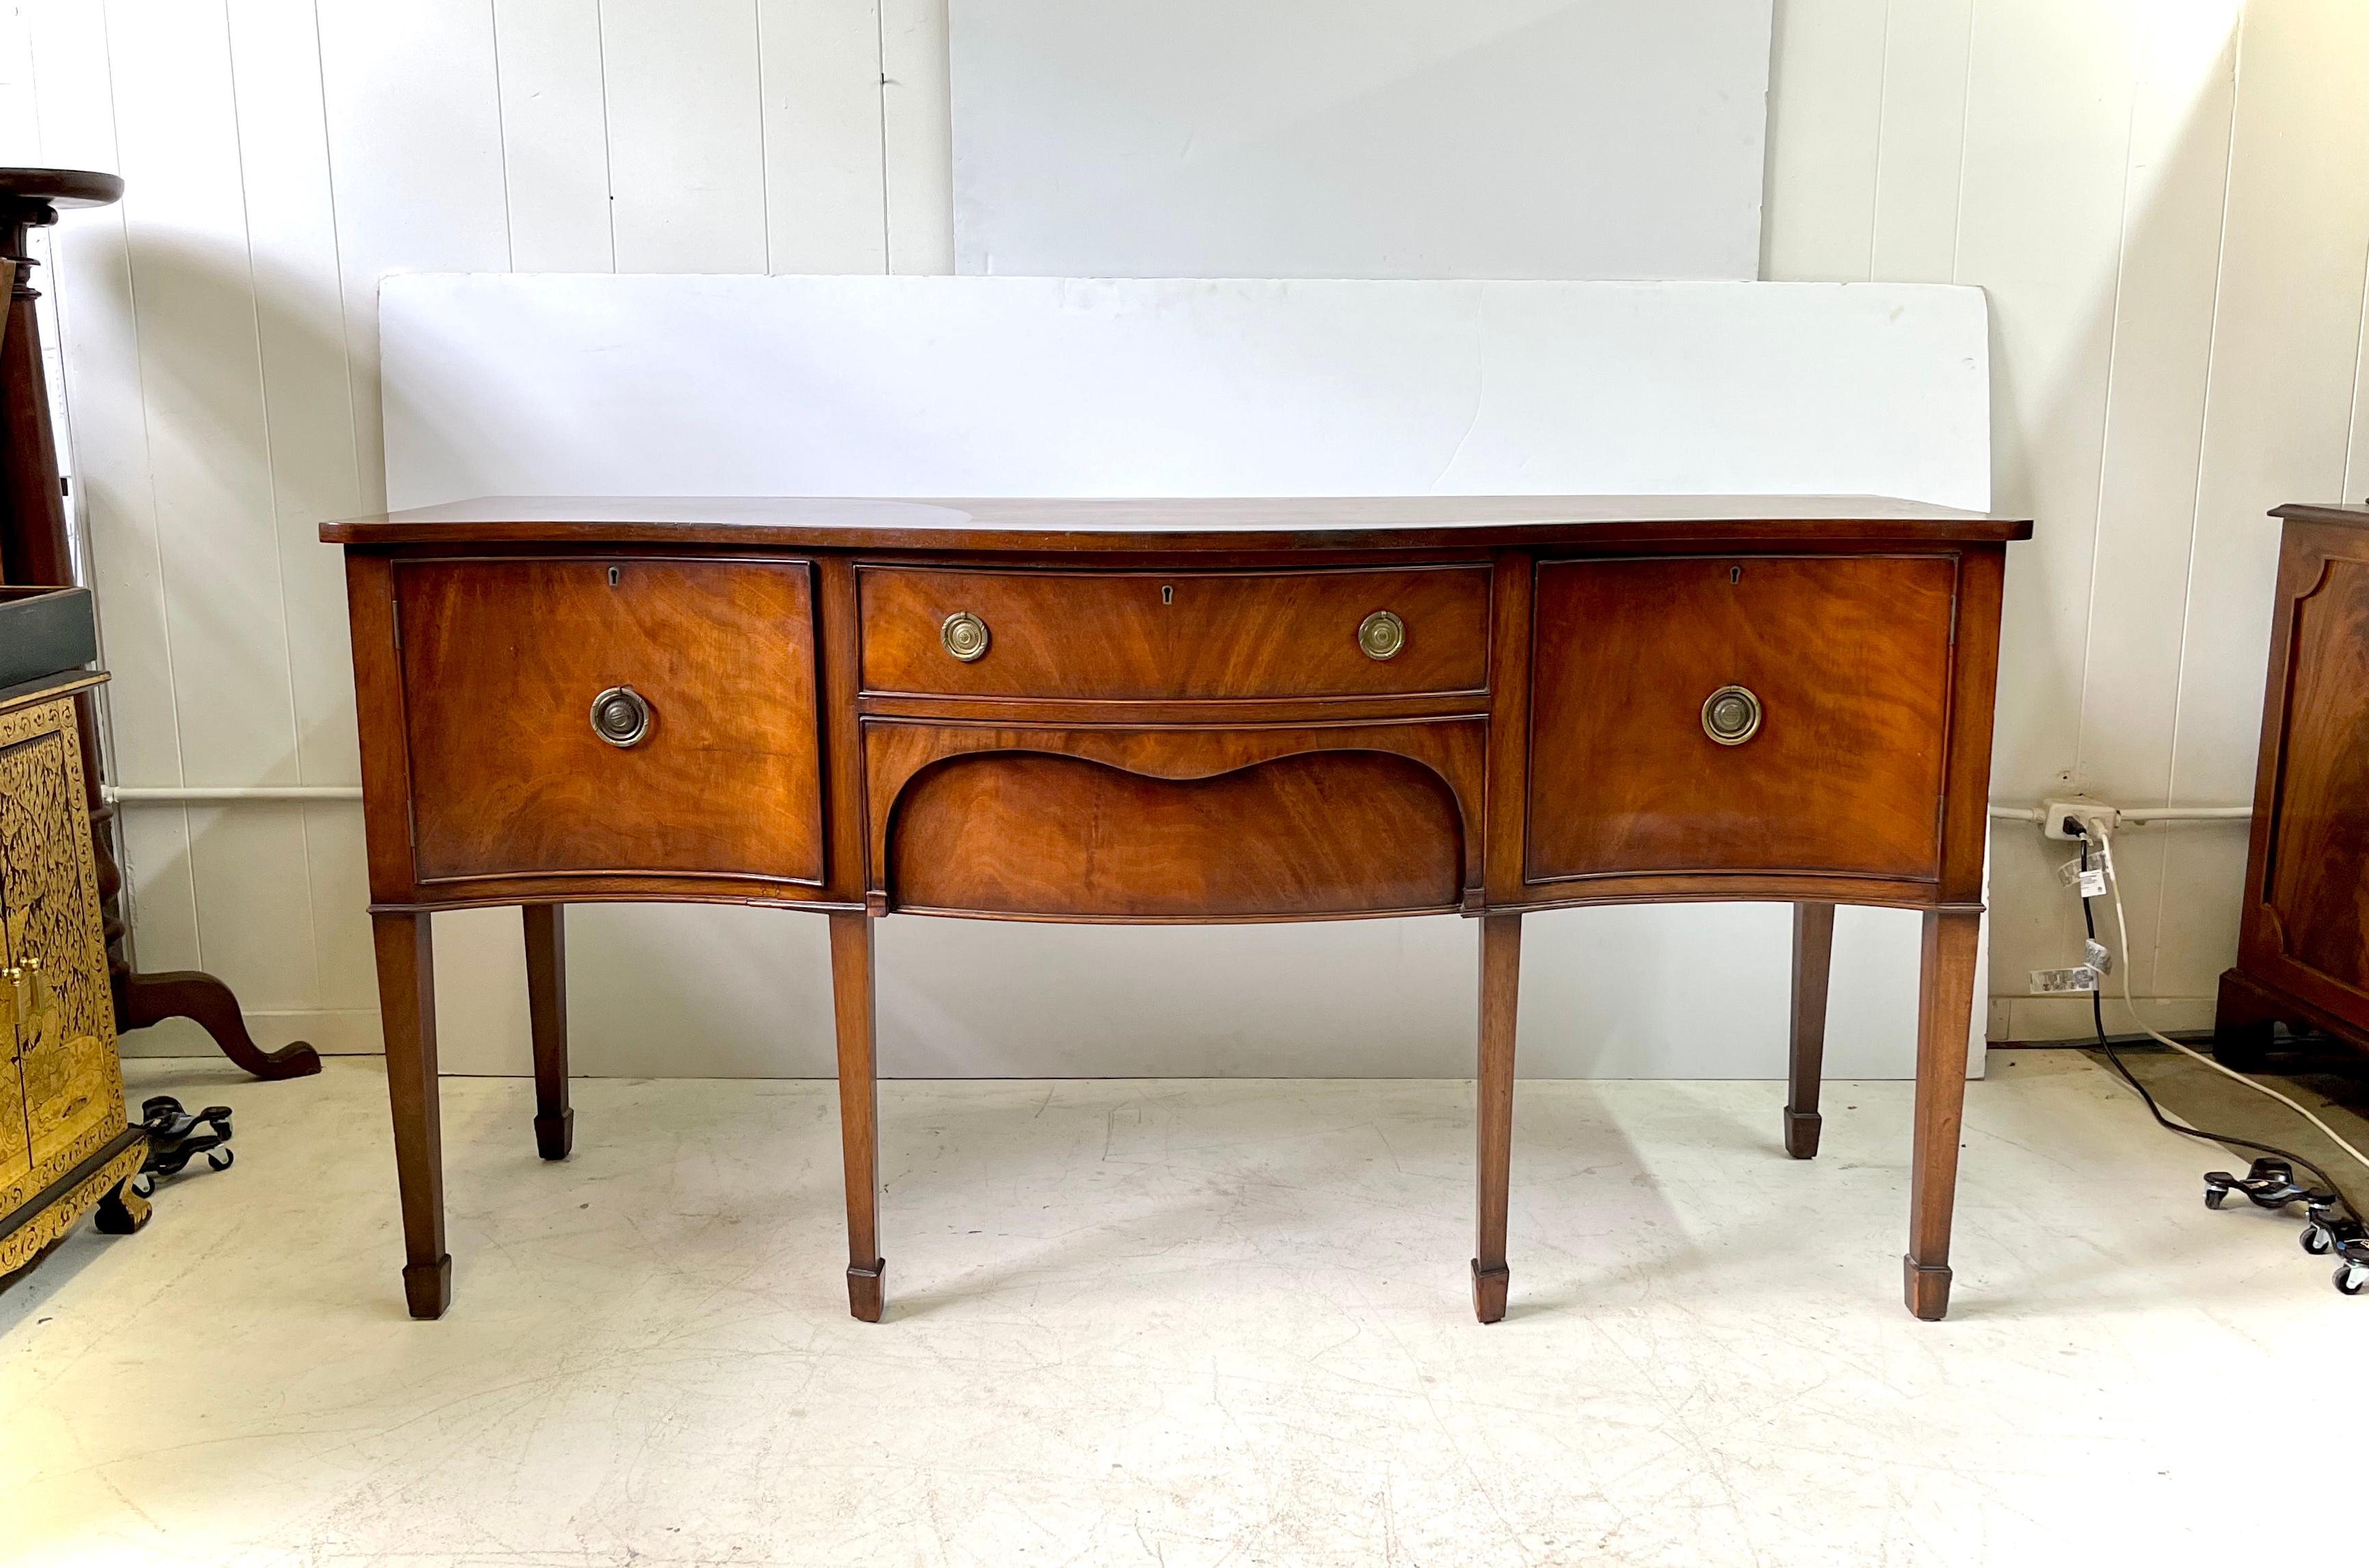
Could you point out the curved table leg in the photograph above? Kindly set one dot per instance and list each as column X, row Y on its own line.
column 142, row 999
column 1501, row 967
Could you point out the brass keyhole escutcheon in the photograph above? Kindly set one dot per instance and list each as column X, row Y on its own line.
column 1731, row 716
column 1380, row 635
column 621, row 716
column 964, row 635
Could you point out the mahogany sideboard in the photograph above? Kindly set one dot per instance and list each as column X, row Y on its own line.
column 1172, row 710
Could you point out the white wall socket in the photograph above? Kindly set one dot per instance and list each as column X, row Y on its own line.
column 2076, row 810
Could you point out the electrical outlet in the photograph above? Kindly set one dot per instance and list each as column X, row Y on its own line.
column 2063, row 818
column 2057, row 982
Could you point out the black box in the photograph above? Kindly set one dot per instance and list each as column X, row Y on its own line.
column 44, row 631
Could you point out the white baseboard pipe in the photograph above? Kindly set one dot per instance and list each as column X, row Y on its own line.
column 2139, row 813
column 130, row 795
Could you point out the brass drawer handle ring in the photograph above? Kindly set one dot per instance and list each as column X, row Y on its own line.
column 1380, row 635
column 1731, row 716
column 621, row 716
column 964, row 635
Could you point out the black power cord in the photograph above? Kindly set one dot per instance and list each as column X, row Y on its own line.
column 2098, row 1018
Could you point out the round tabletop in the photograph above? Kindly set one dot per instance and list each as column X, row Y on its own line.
column 61, row 187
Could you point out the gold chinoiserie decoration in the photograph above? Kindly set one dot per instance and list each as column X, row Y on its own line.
column 64, row 1142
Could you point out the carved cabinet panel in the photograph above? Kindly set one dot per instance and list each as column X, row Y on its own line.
column 2302, row 941
column 65, row 1075
column 2320, row 835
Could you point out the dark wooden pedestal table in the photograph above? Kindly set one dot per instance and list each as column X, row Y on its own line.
column 35, row 549
column 1175, row 712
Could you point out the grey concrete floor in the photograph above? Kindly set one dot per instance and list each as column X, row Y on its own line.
column 2330, row 1078
column 1177, row 1322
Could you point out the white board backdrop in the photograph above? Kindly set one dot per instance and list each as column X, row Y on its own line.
column 1359, row 138
column 579, row 384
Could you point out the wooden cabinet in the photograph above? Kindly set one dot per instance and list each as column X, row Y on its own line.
column 65, row 1147
column 1159, row 711
column 2303, row 944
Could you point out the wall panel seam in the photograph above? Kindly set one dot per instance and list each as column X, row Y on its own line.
column 2352, row 409
column 764, row 141
column 502, row 144
column 122, row 216
column 338, row 259
column 2196, row 490
column 271, row 478
column 2105, row 436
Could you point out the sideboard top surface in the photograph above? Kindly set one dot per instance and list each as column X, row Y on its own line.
column 1224, row 523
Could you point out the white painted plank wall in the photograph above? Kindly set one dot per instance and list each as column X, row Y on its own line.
column 2163, row 199
column 2162, row 196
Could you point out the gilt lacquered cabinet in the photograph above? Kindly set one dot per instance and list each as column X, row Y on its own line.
column 65, row 1146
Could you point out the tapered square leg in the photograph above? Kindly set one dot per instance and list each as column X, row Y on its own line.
column 1814, row 950
column 1945, row 1008
column 406, row 999
column 546, row 1013
column 859, row 1118
column 1501, row 967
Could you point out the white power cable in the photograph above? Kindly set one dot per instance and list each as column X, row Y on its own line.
column 2122, row 935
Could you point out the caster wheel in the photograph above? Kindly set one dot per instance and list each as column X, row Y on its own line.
column 220, row 1159
column 2350, row 1280
column 2316, row 1240
column 2215, row 1197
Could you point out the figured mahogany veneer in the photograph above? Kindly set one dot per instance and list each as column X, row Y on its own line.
column 2302, row 941
column 1257, row 822
column 1144, row 636
column 1269, row 823
column 1175, row 711
column 510, row 781
column 1849, row 659
column 1045, row 837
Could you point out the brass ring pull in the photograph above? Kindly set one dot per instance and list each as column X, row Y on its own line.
column 1731, row 716
column 1380, row 635
column 621, row 716
column 964, row 635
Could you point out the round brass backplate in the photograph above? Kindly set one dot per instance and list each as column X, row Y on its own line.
column 964, row 635
column 1381, row 635
column 621, row 716
column 1731, row 716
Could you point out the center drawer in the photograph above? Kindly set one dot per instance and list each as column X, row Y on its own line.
column 1150, row 636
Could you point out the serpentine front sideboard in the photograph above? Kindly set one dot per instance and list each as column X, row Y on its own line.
column 1173, row 711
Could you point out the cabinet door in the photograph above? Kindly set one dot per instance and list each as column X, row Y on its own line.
column 1836, row 673
column 15, row 1143
column 72, row 1083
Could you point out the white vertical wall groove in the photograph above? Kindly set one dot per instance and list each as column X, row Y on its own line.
column 2176, row 251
